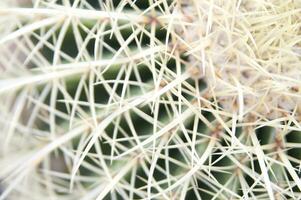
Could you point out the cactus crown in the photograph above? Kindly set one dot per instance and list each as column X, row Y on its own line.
column 146, row 99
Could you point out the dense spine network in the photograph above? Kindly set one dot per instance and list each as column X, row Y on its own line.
column 167, row 99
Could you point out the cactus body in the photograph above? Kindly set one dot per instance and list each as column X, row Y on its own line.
column 150, row 99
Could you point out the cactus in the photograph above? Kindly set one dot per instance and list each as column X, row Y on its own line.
column 145, row 99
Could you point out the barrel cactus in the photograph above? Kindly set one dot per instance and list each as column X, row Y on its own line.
column 150, row 99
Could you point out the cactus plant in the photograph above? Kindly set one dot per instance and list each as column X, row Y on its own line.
column 150, row 99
